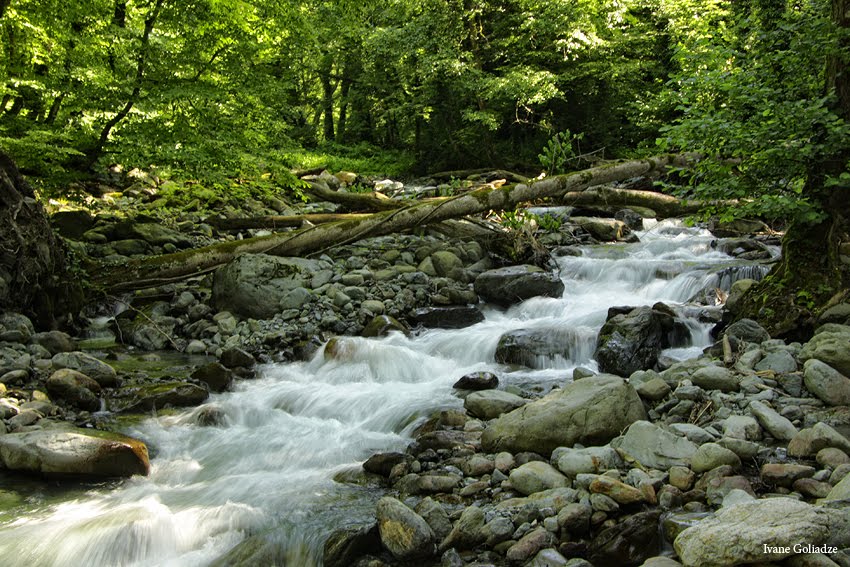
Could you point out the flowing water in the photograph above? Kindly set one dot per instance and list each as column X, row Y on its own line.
column 268, row 469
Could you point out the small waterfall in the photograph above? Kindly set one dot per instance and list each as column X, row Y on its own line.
column 266, row 471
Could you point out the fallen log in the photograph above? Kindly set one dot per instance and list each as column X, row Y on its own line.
column 665, row 206
column 149, row 272
column 276, row 221
column 372, row 201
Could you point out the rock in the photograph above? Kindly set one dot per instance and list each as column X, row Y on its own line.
column 383, row 463
column 632, row 341
column 654, row 447
column 467, row 532
column 433, row 513
column 784, row 474
column 403, row 532
column 236, row 358
column 590, row 460
column 253, row 285
column 575, row 518
column 537, row 348
column 452, row 317
column 548, row 558
column 382, row 325
column 591, row 411
column 618, row 491
column 780, row 362
column 826, row 383
column 682, row 478
column 653, row 389
column 715, row 378
column 747, row 330
column 840, row 491
column 96, row 369
column 214, row 375
column 75, row 388
column 488, row 404
column 157, row 396
column 811, row 440
column 15, row 328
column 346, row 545
column 832, row 458
column 80, row 452
column 54, row 341
column 741, row 427
column 779, row 427
column 72, row 224
column 536, row 476
column 477, row 381
column 445, row 262
column 630, row 542
column 510, row 285
column 196, row 346
column 756, row 531
column 739, row 288
column 603, row 230
column 830, row 347
column 436, row 483
column 530, row 544
column 711, row 456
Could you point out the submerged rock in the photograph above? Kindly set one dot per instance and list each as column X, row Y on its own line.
column 632, row 341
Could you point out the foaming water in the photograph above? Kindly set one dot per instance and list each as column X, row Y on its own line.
column 266, row 471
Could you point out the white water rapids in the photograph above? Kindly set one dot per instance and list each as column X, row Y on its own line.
column 268, row 468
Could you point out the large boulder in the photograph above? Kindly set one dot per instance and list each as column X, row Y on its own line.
column 75, row 388
column 158, row 395
column 403, row 532
column 633, row 340
column 756, row 531
column 253, row 285
column 79, row 452
column 95, row 369
column 591, row 411
column 826, row 383
column 654, row 447
column 537, row 348
column 506, row 286
column 830, row 346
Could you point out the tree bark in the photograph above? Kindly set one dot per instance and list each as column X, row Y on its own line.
column 137, row 274
column 665, row 206
column 275, row 222
column 34, row 271
column 373, row 201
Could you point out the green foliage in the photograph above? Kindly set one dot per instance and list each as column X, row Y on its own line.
column 522, row 220
column 558, row 152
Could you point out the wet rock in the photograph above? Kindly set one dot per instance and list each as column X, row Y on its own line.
column 96, row 369
column 618, row 491
column 477, row 381
column 506, row 286
column 215, row 376
column 654, row 447
column 345, row 546
column 383, row 463
column 715, row 378
column 811, row 440
column 548, row 558
column 536, row 476
column 840, row 491
column 75, row 388
column 654, row 389
column 756, row 531
column 497, row 530
column 382, row 325
column 630, row 542
column 15, row 328
column 779, row 362
column 403, row 532
column 784, row 474
column 530, row 544
column 536, row 348
column 432, row 512
column 158, row 395
column 489, row 404
column 575, row 518
column 826, row 383
column 591, row 411
column 79, row 452
column 453, row 317
column 236, row 358
column 632, row 341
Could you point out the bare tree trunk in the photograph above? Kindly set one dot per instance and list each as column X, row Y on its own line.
column 665, row 206
column 136, row 274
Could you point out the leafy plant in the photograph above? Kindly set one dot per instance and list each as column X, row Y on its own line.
column 558, row 152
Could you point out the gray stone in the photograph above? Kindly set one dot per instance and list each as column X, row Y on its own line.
column 253, row 285
column 75, row 388
column 548, row 558
column 444, row 262
column 477, row 381
column 654, row 389
column 467, row 531
column 654, row 447
column 715, row 378
column 840, row 491
column 96, row 369
column 506, row 286
column 809, row 441
column 452, row 317
column 537, row 348
column 590, row 460
column 826, row 383
column 692, row 432
column 738, row 534
column 747, row 330
column 296, row 298
column 591, row 412
column 433, row 512
column 403, row 532
column 831, row 347
column 55, row 341
column 632, row 341
column 488, row 404
column 215, row 375
column 741, row 427
column 779, row 427
column 236, row 357
column 536, row 476
column 780, row 362
column 81, row 452
column 629, row 542
column 711, row 456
